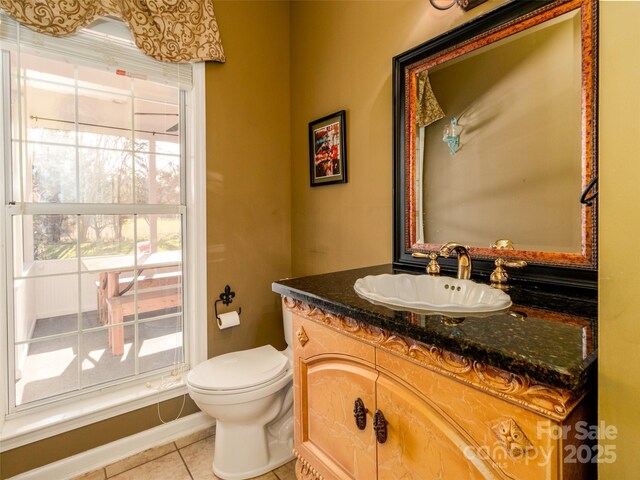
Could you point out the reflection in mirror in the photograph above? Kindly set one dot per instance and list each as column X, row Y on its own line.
column 517, row 89
column 517, row 170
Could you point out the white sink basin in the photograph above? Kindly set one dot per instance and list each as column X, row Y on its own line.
column 428, row 294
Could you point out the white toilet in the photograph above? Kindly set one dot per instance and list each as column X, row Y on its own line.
column 250, row 394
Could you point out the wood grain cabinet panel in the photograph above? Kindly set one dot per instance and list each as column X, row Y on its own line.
column 332, row 372
column 423, row 441
column 499, row 439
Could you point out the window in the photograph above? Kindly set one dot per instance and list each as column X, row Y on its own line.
column 97, row 150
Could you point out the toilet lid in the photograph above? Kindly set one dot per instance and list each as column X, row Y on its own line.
column 236, row 370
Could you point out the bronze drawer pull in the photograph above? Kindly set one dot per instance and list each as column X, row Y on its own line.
column 360, row 414
column 380, row 426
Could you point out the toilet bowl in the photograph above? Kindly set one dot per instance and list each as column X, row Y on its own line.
column 250, row 394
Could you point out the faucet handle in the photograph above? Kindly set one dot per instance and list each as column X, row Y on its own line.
column 499, row 276
column 503, row 244
column 433, row 268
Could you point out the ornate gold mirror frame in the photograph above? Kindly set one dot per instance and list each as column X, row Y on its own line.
column 509, row 19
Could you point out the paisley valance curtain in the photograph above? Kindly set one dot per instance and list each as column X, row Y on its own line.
column 167, row 30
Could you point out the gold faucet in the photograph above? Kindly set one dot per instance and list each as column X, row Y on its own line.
column 464, row 259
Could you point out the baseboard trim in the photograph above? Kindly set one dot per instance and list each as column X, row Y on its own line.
column 125, row 447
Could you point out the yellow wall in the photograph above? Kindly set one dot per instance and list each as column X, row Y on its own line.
column 341, row 54
column 248, row 171
column 619, row 316
column 248, row 208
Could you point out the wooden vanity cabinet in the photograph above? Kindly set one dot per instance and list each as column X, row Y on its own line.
column 437, row 426
column 331, row 372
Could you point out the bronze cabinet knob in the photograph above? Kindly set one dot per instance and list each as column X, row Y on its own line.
column 360, row 414
column 380, row 426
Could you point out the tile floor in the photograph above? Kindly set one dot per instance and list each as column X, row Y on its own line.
column 188, row 458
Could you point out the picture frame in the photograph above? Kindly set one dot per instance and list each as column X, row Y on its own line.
column 328, row 150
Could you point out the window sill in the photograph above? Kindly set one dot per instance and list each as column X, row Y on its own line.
column 27, row 427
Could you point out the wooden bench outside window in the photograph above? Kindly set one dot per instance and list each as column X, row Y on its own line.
column 159, row 281
column 148, row 300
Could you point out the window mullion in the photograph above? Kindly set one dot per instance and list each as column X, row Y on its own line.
column 80, row 342
column 134, row 194
column 22, row 150
column 90, row 208
column 9, row 327
column 185, row 285
column 184, row 152
column 20, row 123
column 76, row 113
column 80, row 337
column 5, row 141
column 134, row 348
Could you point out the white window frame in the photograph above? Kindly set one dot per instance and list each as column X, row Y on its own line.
column 30, row 425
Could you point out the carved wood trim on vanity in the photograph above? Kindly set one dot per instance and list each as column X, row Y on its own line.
column 302, row 336
column 304, row 471
column 512, row 438
column 555, row 403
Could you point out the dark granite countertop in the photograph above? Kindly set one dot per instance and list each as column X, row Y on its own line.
column 547, row 335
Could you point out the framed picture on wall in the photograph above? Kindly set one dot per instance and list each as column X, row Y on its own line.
column 328, row 150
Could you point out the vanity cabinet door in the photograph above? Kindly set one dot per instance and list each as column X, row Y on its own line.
column 333, row 374
column 493, row 438
column 423, row 442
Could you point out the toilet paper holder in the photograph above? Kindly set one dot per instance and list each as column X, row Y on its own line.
column 226, row 298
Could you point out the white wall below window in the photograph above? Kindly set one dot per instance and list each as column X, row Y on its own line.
column 55, row 295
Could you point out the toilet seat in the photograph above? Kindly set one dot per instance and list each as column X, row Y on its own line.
column 238, row 372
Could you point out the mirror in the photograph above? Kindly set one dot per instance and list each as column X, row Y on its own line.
column 517, row 91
